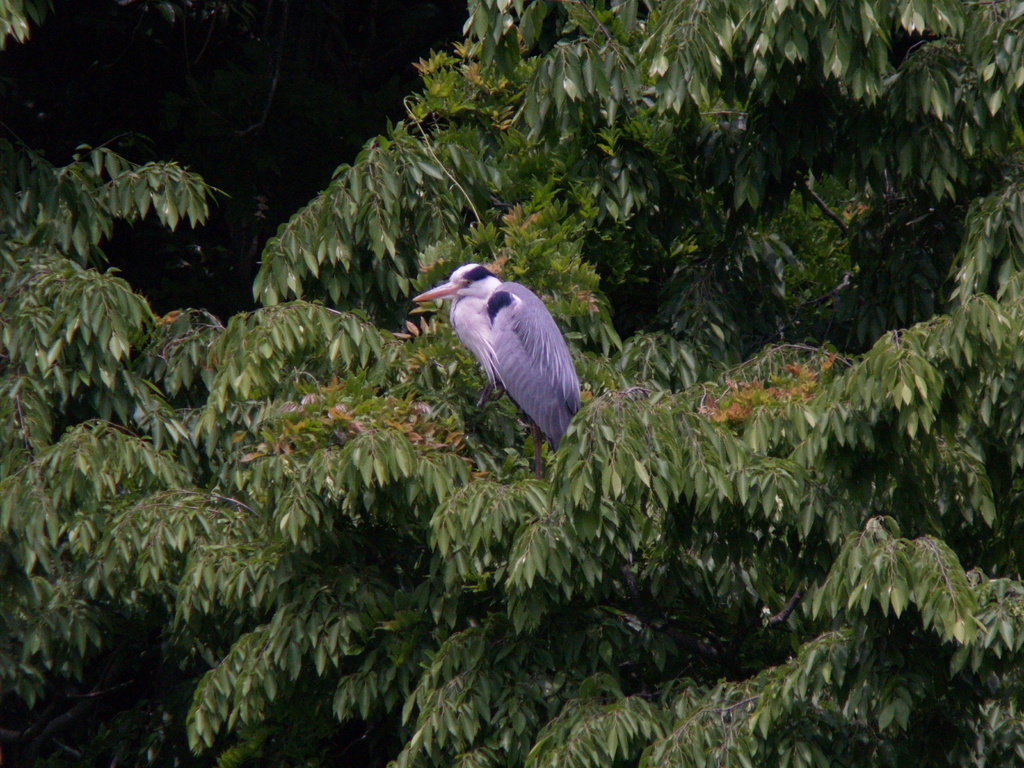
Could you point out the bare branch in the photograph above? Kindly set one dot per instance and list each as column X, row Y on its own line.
column 811, row 195
column 686, row 640
column 279, row 55
column 787, row 609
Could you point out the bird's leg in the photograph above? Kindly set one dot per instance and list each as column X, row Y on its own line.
column 487, row 391
column 485, row 394
column 538, row 466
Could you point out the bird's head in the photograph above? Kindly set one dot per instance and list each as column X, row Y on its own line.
column 467, row 280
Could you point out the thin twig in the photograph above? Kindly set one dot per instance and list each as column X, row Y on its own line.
column 277, row 74
column 104, row 692
column 593, row 16
column 236, row 502
column 718, row 710
column 430, row 150
column 187, row 58
column 919, row 219
column 209, row 35
column 736, row 705
column 70, row 750
column 131, row 38
column 20, row 419
column 216, row 496
column 366, row 734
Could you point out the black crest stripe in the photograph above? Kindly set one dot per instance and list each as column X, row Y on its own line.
column 498, row 300
column 478, row 273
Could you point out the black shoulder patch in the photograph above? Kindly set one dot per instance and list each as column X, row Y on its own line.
column 478, row 273
column 498, row 300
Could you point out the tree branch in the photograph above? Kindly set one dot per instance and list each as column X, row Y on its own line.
column 58, row 724
column 279, row 55
column 680, row 637
column 444, row 170
column 811, row 195
column 46, row 727
column 593, row 17
column 685, row 639
column 787, row 609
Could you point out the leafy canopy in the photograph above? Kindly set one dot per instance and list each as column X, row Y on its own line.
column 784, row 241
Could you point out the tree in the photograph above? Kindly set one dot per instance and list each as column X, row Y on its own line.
column 784, row 242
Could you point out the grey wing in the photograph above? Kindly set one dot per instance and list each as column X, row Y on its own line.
column 533, row 361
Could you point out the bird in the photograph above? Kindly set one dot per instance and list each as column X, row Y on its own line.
column 513, row 336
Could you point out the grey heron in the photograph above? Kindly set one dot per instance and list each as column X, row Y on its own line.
column 510, row 331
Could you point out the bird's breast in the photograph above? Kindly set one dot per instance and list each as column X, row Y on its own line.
column 473, row 325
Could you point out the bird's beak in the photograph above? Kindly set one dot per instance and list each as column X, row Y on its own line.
column 445, row 291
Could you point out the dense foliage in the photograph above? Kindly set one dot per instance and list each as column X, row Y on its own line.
column 785, row 241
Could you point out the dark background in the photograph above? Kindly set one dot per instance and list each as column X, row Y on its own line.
column 263, row 99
